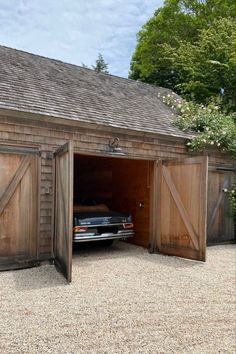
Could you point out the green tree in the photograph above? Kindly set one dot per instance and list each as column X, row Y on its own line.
column 100, row 66
column 208, row 65
column 188, row 46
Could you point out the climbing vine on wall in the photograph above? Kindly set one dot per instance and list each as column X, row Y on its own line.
column 232, row 200
column 209, row 124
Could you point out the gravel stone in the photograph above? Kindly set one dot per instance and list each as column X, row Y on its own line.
column 122, row 300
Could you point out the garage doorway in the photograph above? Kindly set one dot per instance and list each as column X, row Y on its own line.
column 167, row 200
column 123, row 185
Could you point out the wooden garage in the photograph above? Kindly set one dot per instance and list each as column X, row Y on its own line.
column 58, row 125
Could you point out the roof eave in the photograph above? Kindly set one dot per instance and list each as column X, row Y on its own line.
column 35, row 116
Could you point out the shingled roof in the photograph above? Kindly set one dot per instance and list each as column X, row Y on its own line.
column 35, row 84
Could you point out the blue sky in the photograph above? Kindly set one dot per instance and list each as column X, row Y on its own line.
column 76, row 30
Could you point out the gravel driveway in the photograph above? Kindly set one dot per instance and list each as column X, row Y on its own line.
column 122, row 300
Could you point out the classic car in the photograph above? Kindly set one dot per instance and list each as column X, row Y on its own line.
column 98, row 223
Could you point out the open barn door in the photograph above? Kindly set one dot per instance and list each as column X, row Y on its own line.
column 63, row 209
column 182, row 207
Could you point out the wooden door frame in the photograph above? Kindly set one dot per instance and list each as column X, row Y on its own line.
column 152, row 177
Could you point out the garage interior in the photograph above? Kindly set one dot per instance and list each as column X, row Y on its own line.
column 124, row 185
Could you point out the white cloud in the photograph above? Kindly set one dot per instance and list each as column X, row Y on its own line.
column 75, row 31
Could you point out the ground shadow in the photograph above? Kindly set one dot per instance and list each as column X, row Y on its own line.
column 85, row 254
column 44, row 276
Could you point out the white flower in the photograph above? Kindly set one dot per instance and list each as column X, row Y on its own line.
column 212, row 142
column 225, row 190
column 218, row 144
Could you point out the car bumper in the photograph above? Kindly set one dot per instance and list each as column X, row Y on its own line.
column 85, row 237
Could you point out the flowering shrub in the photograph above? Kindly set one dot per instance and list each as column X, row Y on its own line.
column 211, row 126
column 232, row 200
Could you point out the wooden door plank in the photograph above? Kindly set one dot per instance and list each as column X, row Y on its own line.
column 181, row 208
column 158, row 219
column 63, row 211
column 9, row 191
column 153, row 209
column 220, row 220
column 217, row 204
column 203, row 209
column 180, row 252
column 18, row 150
column 186, row 161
